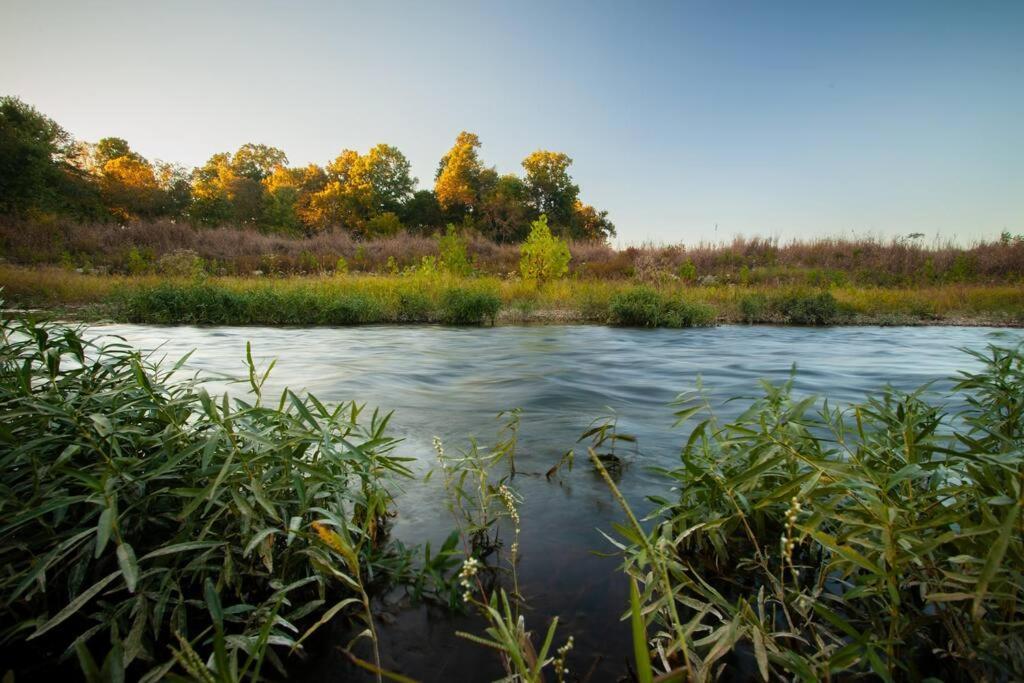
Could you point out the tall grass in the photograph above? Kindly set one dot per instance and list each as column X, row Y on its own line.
column 429, row 297
column 804, row 541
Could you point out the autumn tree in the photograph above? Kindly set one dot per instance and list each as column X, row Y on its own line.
column 550, row 187
column 458, row 179
column 130, row 189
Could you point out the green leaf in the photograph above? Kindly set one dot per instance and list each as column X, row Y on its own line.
column 644, row 673
column 129, row 565
column 75, row 604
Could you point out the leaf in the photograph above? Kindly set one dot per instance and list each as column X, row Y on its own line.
column 644, row 672
column 75, row 604
column 129, row 565
column 994, row 559
column 759, row 652
column 104, row 526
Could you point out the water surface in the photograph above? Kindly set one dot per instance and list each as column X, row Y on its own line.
column 451, row 382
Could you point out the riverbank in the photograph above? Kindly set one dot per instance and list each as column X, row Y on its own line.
column 364, row 299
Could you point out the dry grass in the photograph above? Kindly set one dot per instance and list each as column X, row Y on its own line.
column 136, row 248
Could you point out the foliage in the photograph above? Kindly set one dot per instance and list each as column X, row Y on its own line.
column 464, row 306
column 543, row 256
column 551, row 189
column 146, row 519
column 878, row 540
column 801, row 308
column 646, row 307
column 454, row 257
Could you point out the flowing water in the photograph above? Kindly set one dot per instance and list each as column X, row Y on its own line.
column 451, row 382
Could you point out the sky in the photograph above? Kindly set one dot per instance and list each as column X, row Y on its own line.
column 687, row 121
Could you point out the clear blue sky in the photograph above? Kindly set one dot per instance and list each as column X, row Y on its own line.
column 768, row 118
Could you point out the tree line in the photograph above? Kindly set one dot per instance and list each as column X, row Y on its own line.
column 44, row 170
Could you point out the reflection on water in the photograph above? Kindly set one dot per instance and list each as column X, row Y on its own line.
column 452, row 382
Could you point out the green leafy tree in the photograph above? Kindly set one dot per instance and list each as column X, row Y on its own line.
column 257, row 162
column 543, row 256
column 421, row 213
column 551, row 189
column 37, row 165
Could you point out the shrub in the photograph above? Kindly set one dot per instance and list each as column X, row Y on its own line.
column 543, row 256
column 341, row 266
column 753, row 308
column 453, row 255
column 876, row 542
column 413, row 307
column 645, row 307
column 807, row 309
column 461, row 306
column 385, row 224
column 138, row 262
column 351, row 308
column 687, row 272
column 181, row 263
column 153, row 528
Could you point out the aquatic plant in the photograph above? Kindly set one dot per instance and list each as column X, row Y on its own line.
column 815, row 542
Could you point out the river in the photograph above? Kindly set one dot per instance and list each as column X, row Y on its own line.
column 451, row 382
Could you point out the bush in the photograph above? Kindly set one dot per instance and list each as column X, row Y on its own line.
column 460, row 306
column 645, row 307
column 753, row 308
column 454, row 256
column 543, row 256
column 162, row 532
column 807, row 309
column 181, row 263
column 413, row 307
column 880, row 541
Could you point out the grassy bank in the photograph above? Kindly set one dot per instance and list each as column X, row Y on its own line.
column 438, row 297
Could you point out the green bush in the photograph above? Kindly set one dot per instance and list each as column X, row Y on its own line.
column 161, row 532
column 461, row 306
column 454, row 255
column 753, row 308
column 543, row 256
column 645, row 307
column 800, row 308
column 413, row 307
column 880, row 541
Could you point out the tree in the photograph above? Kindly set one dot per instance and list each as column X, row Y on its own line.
column 505, row 212
column 362, row 187
column 385, row 170
column 543, row 256
column 421, row 213
column 36, row 169
column 590, row 224
column 551, row 189
column 108, row 149
column 256, row 162
column 457, row 183
column 130, row 188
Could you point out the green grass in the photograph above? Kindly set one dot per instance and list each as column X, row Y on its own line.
column 418, row 298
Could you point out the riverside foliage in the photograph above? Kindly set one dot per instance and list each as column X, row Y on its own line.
column 812, row 542
column 151, row 530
